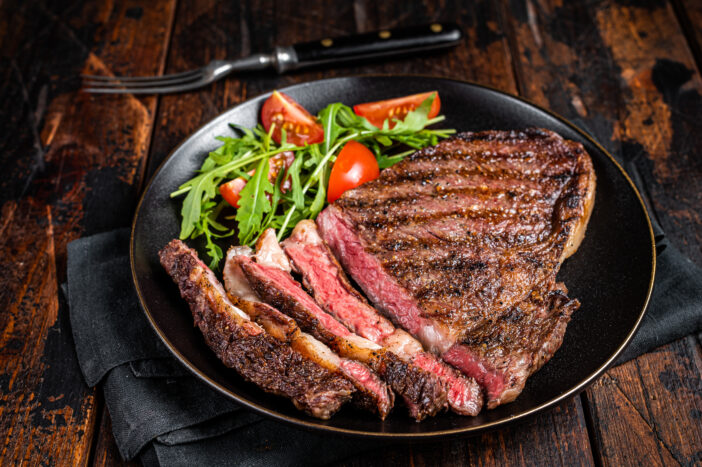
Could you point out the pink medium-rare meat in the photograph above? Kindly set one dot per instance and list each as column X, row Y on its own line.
column 325, row 279
column 422, row 393
column 378, row 286
column 245, row 346
column 456, row 234
column 502, row 355
column 371, row 394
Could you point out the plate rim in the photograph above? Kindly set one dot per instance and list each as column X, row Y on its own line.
column 319, row 426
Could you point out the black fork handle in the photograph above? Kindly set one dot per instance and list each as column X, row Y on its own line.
column 368, row 46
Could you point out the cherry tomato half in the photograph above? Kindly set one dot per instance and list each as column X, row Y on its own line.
column 231, row 190
column 354, row 165
column 378, row 112
column 300, row 126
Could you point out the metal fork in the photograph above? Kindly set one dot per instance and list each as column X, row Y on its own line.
column 176, row 82
column 386, row 43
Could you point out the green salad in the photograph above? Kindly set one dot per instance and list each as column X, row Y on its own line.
column 276, row 174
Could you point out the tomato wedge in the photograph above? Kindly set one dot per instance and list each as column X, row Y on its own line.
column 378, row 112
column 300, row 126
column 354, row 165
column 231, row 190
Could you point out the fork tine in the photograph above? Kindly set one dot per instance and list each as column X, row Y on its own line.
column 137, row 79
column 148, row 90
column 142, row 84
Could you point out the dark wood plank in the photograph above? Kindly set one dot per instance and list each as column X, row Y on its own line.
column 625, row 70
column 69, row 164
column 207, row 30
column 648, row 410
column 36, row 425
column 105, row 451
column 557, row 437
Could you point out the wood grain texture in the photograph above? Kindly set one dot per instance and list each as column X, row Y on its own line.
column 625, row 71
column 36, row 424
column 557, row 437
column 69, row 163
column 648, row 410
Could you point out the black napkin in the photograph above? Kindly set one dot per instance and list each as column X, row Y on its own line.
column 170, row 418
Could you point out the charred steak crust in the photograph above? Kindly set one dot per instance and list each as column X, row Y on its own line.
column 245, row 347
column 503, row 354
column 371, row 393
column 424, row 394
column 468, row 228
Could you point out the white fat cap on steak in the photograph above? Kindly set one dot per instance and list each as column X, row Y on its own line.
column 234, row 279
column 269, row 252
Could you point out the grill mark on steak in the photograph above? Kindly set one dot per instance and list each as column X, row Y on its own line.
column 503, row 354
column 422, row 392
column 244, row 346
column 423, row 208
column 444, row 233
column 437, row 289
column 371, row 394
column 325, row 279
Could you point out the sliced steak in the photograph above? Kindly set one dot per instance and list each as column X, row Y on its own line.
column 324, row 278
column 245, row 346
column 502, row 355
column 456, row 235
column 422, row 392
column 371, row 394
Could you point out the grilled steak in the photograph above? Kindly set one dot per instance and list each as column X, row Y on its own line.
column 324, row 278
column 456, row 235
column 245, row 346
column 371, row 394
column 422, row 392
column 460, row 245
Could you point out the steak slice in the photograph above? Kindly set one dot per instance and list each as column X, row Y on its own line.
column 455, row 235
column 502, row 355
column 245, row 346
column 422, row 392
column 371, row 394
column 324, row 278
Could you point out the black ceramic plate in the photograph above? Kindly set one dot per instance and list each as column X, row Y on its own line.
column 611, row 274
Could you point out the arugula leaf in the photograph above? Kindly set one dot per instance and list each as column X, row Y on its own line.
column 332, row 128
column 294, row 172
column 254, row 203
column 319, row 198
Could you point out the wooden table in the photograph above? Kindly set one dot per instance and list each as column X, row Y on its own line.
column 73, row 164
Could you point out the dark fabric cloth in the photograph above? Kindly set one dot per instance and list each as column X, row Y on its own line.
column 675, row 308
column 168, row 417
column 107, row 325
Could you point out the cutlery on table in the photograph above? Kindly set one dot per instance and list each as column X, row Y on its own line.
column 329, row 51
